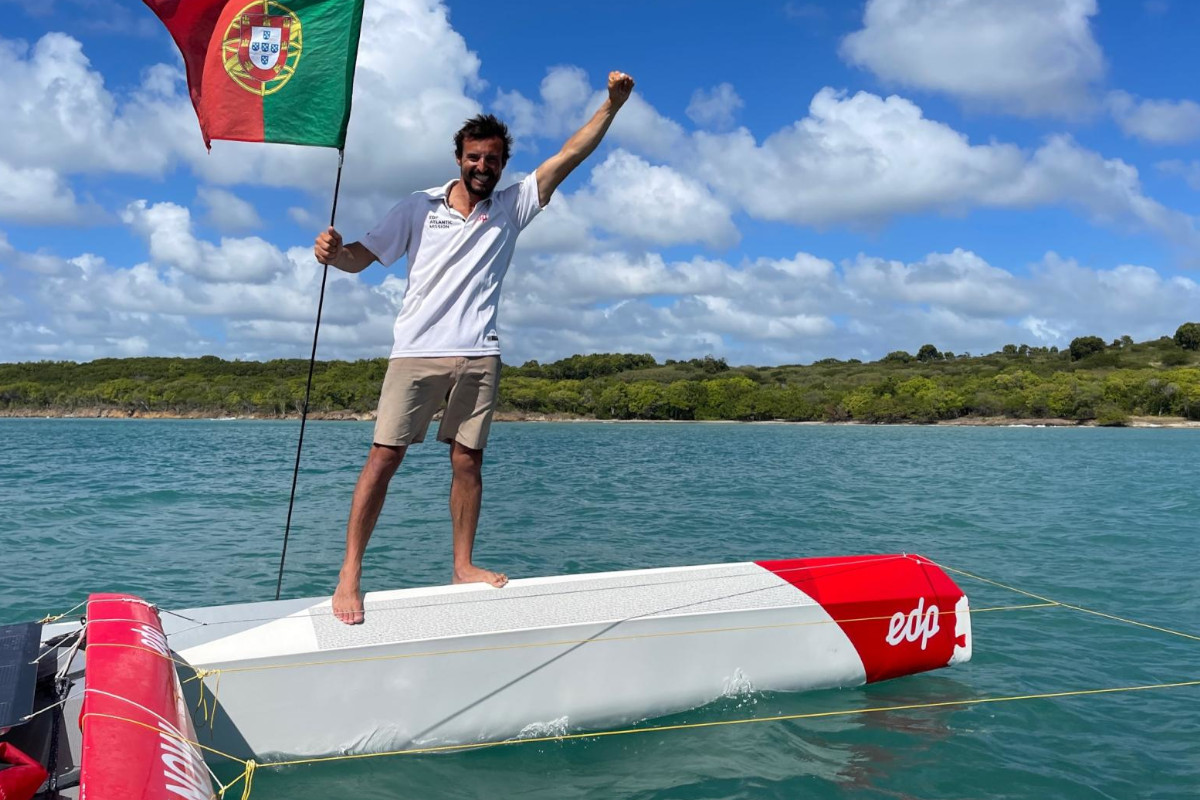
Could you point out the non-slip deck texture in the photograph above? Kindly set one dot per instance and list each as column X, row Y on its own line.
column 588, row 600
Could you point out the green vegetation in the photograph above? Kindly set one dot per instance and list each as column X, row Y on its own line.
column 1085, row 346
column 1090, row 381
column 1188, row 336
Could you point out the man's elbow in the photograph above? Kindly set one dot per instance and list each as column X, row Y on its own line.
column 354, row 258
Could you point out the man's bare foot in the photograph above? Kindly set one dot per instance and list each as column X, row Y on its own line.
column 474, row 574
column 348, row 603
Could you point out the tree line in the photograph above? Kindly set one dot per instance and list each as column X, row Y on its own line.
column 1090, row 380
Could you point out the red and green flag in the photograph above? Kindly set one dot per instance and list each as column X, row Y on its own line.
column 262, row 71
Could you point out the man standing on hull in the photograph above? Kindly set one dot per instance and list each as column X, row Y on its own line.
column 459, row 239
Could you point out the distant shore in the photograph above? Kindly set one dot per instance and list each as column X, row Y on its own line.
column 517, row 416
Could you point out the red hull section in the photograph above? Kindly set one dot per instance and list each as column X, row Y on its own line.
column 21, row 776
column 135, row 723
column 901, row 612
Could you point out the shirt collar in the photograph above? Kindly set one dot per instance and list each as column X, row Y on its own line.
column 443, row 193
column 440, row 192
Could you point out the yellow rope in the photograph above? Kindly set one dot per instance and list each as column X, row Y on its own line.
column 742, row 721
column 250, row 766
column 1013, row 608
column 46, row 620
column 1074, row 607
column 208, row 714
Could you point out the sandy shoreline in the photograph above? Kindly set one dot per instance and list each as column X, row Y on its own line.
column 514, row 416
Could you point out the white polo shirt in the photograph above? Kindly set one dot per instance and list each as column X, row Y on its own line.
column 455, row 266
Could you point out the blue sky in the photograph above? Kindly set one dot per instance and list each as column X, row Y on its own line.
column 791, row 181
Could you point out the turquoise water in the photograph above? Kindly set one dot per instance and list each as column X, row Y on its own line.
column 191, row 513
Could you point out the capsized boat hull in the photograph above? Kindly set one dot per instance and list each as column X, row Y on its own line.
column 544, row 656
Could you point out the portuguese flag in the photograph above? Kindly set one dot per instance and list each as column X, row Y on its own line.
column 266, row 71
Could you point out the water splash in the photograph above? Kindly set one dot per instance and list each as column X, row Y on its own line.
column 543, row 730
column 737, row 685
column 739, row 689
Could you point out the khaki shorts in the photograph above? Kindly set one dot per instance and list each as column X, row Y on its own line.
column 415, row 388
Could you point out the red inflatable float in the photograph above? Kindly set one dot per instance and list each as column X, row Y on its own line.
column 20, row 775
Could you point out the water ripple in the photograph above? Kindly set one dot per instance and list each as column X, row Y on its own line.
column 191, row 513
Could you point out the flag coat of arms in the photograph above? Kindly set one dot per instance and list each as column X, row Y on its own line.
column 266, row 71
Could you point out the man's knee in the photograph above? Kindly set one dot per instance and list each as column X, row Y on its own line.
column 466, row 461
column 384, row 460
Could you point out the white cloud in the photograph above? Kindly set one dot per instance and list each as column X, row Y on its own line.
column 565, row 94
column 865, row 159
column 36, row 263
column 567, row 102
column 168, row 229
column 1042, row 330
column 774, row 311
column 36, row 196
column 101, row 309
column 1108, row 190
column 1188, row 170
column 960, row 282
column 1030, row 57
column 655, row 204
column 1128, row 299
column 716, row 107
column 855, row 160
column 10, row 305
column 728, row 318
column 227, row 212
column 561, row 227
column 60, row 116
column 85, row 307
column 640, row 128
column 1156, row 121
column 581, row 281
column 412, row 92
column 764, row 311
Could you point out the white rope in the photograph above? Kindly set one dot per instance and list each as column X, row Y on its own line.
column 71, row 655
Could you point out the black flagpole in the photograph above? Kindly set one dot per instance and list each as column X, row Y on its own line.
column 308, row 387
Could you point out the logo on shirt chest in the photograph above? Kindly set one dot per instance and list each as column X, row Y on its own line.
column 435, row 223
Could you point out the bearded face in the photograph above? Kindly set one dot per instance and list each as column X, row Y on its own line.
column 481, row 164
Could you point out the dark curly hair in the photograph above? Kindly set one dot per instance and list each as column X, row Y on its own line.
column 483, row 126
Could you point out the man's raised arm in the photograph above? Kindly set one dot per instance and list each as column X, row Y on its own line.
column 556, row 168
column 353, row 257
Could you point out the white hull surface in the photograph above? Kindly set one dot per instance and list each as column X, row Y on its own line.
column 544, row 656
